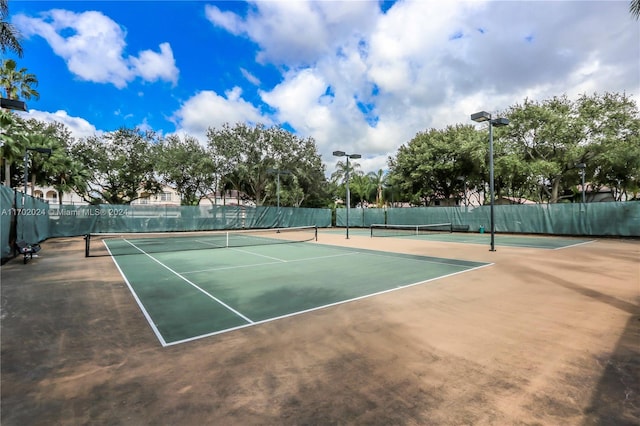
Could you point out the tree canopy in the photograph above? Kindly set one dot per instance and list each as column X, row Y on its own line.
column 120, row 166
column 9, row 35
column 428, row 167
column 249, row 159
column 536, row 157
column 183, row 164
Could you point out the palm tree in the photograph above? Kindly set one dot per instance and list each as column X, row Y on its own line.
column 9, row 35
column 12, row 142
column 40, row 163
column 17, row 83
column 66, row 174
column 341, row 170
column 634, row 8
column 380, row 181
column 362, row 186
column 340, row 175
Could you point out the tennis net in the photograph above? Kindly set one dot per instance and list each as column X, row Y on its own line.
column 384, row 230
column 105, row 244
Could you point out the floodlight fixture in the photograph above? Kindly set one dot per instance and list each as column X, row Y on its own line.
column 41, row 150
column 338, row 153
column 13, row 104
column 500, row 122
column 481, row 116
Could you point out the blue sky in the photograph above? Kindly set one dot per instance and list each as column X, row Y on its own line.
column 358, row 76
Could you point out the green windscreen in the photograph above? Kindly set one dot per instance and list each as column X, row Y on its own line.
column 605, row 219
column 81, row 220
column 33, row 220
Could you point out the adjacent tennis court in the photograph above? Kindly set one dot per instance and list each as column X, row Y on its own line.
column 188, row 293
column 447, row 232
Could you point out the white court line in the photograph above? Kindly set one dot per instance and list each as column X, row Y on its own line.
column 135, row 296
column 424, row 259
column 257, row 254
column 242, row 251
column 252, row 323
column 501, row 244
column 191, row 283
column 575, row 245
column 222, row 268
column 177, row 342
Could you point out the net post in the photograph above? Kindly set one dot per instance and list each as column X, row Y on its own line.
column 87, row 238
column 316, row 232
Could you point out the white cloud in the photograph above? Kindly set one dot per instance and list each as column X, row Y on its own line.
column 152, row 66
column 227, row 20
column 360, row 80
column 250, row 77
column 93, row 47
column 364, row 81
column 79, row 127
column 208, row 109
column 296, row 33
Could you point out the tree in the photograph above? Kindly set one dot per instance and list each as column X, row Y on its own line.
column 12, row 141
column 225, row 151
column 121, row 166
column 339, row 177
column 542, row 134
column 66, row 174
column 250, row 154
column 612, row 128
column 379, row 179
column 427, row 168
column 362, row 186
column 634, row 8
column 550, row 138
column 17, row 83
column 59, row 169
column 9, row 35
column 307, row 183
column 185, row 165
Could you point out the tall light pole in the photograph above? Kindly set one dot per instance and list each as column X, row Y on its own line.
column 16, row 105
column 582, row 167
column 278, row 172
column 26, row 164
column 352, row 156
column 480, row 117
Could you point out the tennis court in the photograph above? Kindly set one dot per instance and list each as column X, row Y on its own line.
column 445, row 235
column 190, row 287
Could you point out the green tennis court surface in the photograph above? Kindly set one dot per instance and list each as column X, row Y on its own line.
column 506, row 240
column 186, row 295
